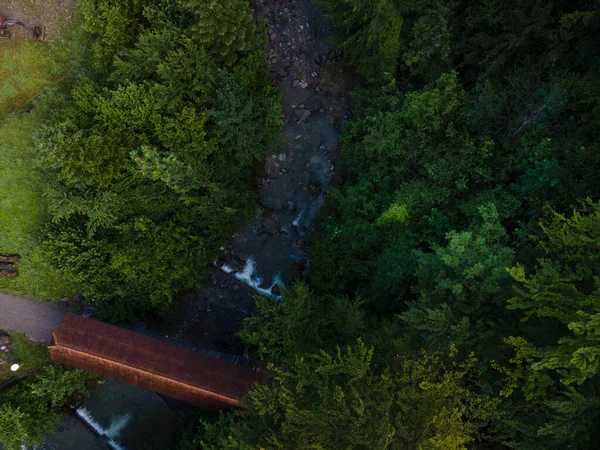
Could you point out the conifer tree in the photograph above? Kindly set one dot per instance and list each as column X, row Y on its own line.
column 226, row 27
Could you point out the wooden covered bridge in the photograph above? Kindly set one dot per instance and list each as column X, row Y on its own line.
column 150, row 363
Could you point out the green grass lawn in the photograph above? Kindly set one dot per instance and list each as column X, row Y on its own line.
column 30, row 356
column 28, row 69
column 23, row 211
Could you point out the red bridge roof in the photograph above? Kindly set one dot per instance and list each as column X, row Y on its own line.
column 150, row 363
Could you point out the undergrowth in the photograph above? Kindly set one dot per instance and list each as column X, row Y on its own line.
column 30, row 70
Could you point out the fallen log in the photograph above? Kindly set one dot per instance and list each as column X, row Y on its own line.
column 8, row 273
column 9, row 258
column 7, row 265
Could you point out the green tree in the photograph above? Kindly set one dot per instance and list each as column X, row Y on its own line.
column 555, row 362
column 462, row 289
column 31, row 409
column 225, row 27
column 156, row 160
column 417, row 403
column 565, row 289
column 113, row 23
column 369, row 32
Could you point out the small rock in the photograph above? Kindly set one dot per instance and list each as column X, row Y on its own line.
column 291, row 206
column 283, row 170
column 322, row 147
column 295, row 83
column 285, row 229
column 267, row 212
column 314, row 187
column 314, row 74
column 305, row 114
column 304, row 85
column 3, row 348
column 298, row 113
column 273, row 60
column 270, row 223
column 301, row 106
column 282, row 157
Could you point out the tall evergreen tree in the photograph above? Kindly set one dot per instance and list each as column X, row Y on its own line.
column 225, row 27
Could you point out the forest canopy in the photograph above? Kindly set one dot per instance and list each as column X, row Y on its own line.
column 453, row 297
column 156, row 148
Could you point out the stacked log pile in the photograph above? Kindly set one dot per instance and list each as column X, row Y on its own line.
column 7, row 265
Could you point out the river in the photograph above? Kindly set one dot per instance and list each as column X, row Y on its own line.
column 269, row 251
column 273, row 248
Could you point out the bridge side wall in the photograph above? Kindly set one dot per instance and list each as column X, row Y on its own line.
column 143, row 379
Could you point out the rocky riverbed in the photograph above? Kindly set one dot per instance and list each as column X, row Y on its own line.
column 273, row 249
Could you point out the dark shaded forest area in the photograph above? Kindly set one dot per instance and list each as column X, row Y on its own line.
column 454, row 297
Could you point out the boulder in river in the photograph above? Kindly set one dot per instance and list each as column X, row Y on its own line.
column 314, row 187
column 270, row 224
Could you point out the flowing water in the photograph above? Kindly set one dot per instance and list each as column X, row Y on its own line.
column 119, row 416
column 111, row 434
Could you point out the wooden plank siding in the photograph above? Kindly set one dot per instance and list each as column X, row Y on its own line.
column 150, row 363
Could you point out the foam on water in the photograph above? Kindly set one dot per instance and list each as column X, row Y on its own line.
column 296, row 221
column 116, row 426
column 247, row 277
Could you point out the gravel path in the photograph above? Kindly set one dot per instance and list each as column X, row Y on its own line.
column 35, row 319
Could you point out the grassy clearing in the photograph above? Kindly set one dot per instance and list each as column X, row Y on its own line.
column 30, row 356
column 23, row 210
column 29, row 69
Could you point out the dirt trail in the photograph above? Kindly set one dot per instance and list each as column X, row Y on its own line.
column 51, row 14
column 274, row 247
